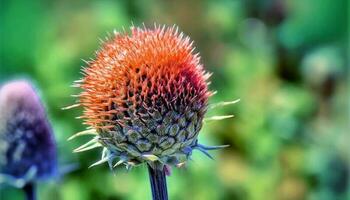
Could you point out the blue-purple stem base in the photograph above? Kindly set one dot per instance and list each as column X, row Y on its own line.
column 158, row 183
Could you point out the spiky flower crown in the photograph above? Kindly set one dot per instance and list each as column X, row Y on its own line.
column 27, row 145
column 144, row 98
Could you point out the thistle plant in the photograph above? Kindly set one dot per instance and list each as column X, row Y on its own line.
column 27, row 146
column 144, row 98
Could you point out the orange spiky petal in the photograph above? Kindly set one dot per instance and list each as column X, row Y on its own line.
column 145, row 94
column 131, row 70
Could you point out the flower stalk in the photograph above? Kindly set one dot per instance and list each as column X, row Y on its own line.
column 157, row 179
column 29, row 190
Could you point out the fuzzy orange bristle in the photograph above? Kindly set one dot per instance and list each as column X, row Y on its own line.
column 144, row 98
column 134, row 73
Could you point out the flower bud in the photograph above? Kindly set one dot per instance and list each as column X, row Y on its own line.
column 27, row 146
column 144, row 96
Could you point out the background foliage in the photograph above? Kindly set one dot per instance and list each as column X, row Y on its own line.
column 286, row 60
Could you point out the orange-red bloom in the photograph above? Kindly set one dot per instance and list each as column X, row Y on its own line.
column 133, row 73
column 145, row 95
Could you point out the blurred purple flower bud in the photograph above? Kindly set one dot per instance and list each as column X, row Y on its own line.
column 27, row 146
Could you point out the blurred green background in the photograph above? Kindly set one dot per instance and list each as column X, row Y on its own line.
column 286, row 60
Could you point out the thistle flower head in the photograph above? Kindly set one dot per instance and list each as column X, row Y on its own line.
column 145, row 94
column 27, row 147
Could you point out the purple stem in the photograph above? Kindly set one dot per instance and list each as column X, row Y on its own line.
column 158, row 183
